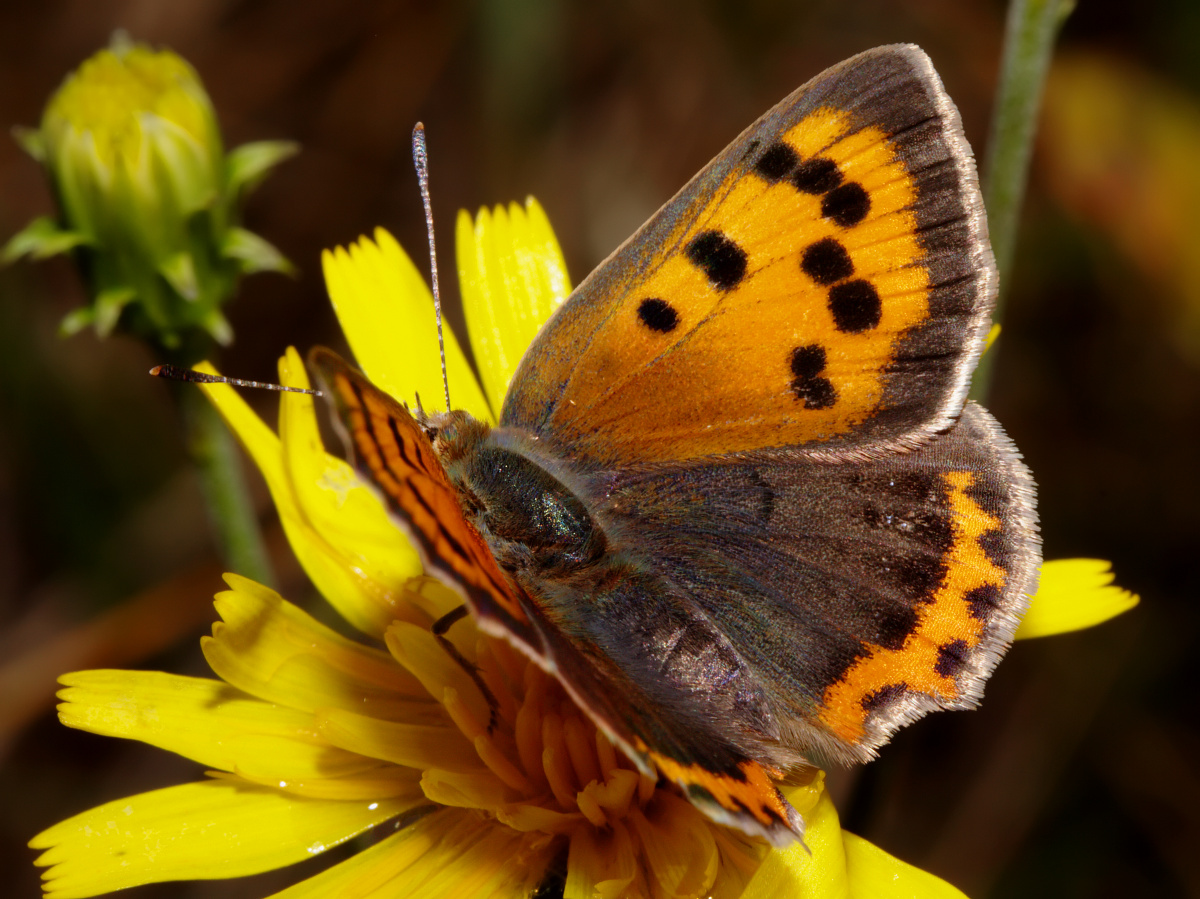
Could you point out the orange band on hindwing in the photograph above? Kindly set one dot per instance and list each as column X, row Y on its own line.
column 751, row 791
column 945, row 623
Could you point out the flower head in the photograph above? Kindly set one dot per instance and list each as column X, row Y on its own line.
column 487, row 779
column 148, row 199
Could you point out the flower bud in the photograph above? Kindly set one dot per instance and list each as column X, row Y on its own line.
column 148, row 200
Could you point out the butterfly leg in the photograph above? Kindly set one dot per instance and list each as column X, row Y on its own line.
column 439, row 629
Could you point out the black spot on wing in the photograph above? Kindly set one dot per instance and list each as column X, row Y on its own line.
column 883, row 697
column 951, row 658
column 826, row 261
column 986, row 496
column 983, row 601
column 807, row 364
column 855, row 306
column 817, row 176
column 847, row 205
column 658, row 315
column 992, row 544
column 776, row 162
column 722, row 261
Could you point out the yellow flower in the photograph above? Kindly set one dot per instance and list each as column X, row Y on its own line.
column 148, row 199
column 491, row 781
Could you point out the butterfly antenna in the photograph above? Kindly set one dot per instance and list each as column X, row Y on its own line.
column 421, row 161
column 174, row 373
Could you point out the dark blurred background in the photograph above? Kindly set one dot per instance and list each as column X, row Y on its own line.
column 1077, row 778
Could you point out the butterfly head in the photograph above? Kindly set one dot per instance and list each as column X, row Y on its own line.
column 453, row 435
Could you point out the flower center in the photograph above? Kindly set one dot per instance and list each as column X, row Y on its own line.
column 543, row 748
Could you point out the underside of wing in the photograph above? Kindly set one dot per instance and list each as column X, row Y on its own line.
column 858, row 596
column 826, row 281
column 390, row 447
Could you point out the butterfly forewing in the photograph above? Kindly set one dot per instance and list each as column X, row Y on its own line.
column 392, row 449
column 824, row 281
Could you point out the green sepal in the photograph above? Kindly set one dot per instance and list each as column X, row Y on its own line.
column 218, row 327
column 76, row 320
column 253, row 253
column 41, row 239
column 31, row 141
column 180, row 272
column 246, row 165
column 107, row 307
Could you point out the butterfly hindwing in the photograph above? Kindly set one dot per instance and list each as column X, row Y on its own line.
column 857, row 597
column 826, row 280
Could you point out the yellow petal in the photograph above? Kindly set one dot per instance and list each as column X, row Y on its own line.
column 273, row 650
column 876, row 875
column 419, row 652
column 472, row 790
column 377, row 867
column 355, row 555
column 444, row 855
column 678, row 844
column 479, row 861
column 198, row 831
column 793, row 871
column 386, row 312
column 600, row 863
column 364, row 602
column 412, row 745
column 383, row 782
column 525, row 817
column 839, row 865
column 740, row 857
column 1073, row 594
column 992, row 334
column 205, row 720
column 513, row 276
column 260, row 442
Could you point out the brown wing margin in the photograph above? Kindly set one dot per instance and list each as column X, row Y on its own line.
column 390, row 448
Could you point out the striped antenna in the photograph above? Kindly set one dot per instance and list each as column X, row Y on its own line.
column 174, row 373
column 421, row 161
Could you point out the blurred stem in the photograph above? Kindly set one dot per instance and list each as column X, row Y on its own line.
column 1029, row 39
column 230, row 511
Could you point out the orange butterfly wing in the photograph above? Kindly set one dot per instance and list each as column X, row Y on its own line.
column 825, row 281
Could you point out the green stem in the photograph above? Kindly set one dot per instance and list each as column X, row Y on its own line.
column 230, row 511
column 1029, row 39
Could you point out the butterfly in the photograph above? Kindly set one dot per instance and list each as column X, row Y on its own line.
column 736, row 501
